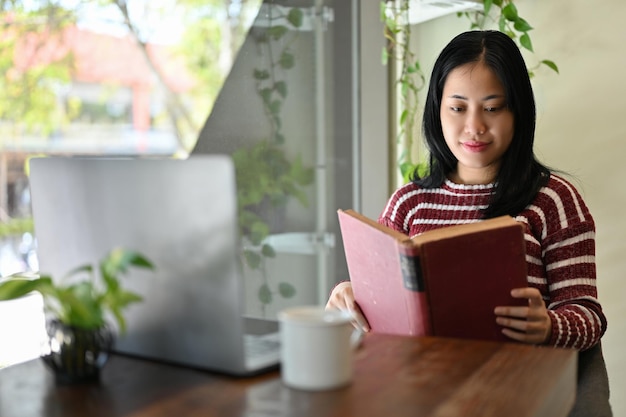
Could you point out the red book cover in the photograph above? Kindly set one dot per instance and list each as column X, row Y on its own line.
column 386, row 284
column 444, row 282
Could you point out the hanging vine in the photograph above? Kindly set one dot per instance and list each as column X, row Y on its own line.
column 510, row 22
column 410, row 77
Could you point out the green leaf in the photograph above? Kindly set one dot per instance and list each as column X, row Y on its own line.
column 119, row 317
column 502, row 23
column 281, row 88
column 119, row 260
column 384, row 58
column 524, row 40
column 82, row 268
column 487, row 6
column 261, row 74
column 383, row 10
column 521, row 25
column 550, row 64
column 265, row 295
column 277, row 32
column 15, row 287
column 510, row 12
column 268, row 251
column 79, row 307
column 295, row 17
column 404, row 88
column 286, row 290
column 253, row 259
column 287, row 60
column 274, row 106
column 266, row 94
column 403, row 116
column 259, row 230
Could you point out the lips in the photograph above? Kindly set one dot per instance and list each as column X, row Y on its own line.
column 475, row 146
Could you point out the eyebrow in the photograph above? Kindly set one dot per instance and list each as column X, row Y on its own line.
column 489, row 97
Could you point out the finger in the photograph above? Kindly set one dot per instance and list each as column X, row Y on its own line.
column 527, row 292
column 358, row 318
column 520, row 312
column 520, row 325
column 340, row 296
column 528, row 331
column 521, row 337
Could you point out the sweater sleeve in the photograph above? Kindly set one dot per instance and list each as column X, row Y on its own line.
column 395, row 214
column 568, row 252
column 577, row 317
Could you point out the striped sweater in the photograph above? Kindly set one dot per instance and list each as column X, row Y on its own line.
column 560, row 246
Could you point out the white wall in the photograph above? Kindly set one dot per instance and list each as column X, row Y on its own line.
column 581, row 129
column 373, row 154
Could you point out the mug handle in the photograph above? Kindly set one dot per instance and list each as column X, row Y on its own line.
column 356, row 338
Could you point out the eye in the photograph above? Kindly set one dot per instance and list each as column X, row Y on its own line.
column 456, row 109
column 494, row 108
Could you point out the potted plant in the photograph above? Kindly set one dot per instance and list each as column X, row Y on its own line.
column 79, row 334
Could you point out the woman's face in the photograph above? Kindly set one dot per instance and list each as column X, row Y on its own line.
column 477, row 123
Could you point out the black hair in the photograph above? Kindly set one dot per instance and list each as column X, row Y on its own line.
column 521, row 175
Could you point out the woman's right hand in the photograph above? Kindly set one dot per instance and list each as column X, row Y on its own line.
column 342, row 298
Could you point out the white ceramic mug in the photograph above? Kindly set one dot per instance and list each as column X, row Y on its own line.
column 316, row 347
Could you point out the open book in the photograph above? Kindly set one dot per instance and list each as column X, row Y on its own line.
column 445, row 282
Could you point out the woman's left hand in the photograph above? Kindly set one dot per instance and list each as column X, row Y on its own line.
column 529, row 324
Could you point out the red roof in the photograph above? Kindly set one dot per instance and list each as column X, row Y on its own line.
column 106, row 59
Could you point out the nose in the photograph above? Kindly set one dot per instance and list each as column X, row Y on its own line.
column 474, row 123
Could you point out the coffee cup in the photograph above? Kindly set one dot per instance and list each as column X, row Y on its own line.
column 316, row 347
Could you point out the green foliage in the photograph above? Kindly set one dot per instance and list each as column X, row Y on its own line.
column 266, row 296
column 83, row 303
column 506, row 15
column 16, row 227
column 265, row 174
column 410, row 79
column 28, row 93
column 407, row 170
column 270, row 79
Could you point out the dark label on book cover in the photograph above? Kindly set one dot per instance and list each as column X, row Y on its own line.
column 411, row 273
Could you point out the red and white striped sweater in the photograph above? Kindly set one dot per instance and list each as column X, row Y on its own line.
column 560, row 246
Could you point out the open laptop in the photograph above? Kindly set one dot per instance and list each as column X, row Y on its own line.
column 182, row 215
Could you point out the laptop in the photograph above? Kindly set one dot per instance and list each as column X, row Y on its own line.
column 182, row 215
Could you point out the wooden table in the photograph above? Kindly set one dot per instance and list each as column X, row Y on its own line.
column 394, row 376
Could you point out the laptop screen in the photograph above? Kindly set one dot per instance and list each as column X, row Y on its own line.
column 182, row 215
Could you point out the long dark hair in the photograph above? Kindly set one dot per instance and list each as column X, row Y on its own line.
column 521, row 175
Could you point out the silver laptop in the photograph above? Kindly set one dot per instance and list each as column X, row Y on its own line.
column 181, row 214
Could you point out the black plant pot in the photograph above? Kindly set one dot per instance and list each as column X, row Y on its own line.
column 76, row 355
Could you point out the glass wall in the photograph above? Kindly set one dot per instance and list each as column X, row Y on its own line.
column 104, row 78
column 275, row 79
column 276, row 112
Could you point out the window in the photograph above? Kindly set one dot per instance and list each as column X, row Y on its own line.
column 171, row 79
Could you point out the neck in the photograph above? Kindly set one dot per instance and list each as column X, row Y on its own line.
column 469, row 176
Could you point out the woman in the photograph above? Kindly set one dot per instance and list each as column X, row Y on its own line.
column 479, row 126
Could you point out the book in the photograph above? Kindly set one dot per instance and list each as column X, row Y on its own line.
column 444, row 282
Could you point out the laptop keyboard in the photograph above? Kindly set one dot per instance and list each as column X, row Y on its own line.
column 257, row 345
column 262, row 350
